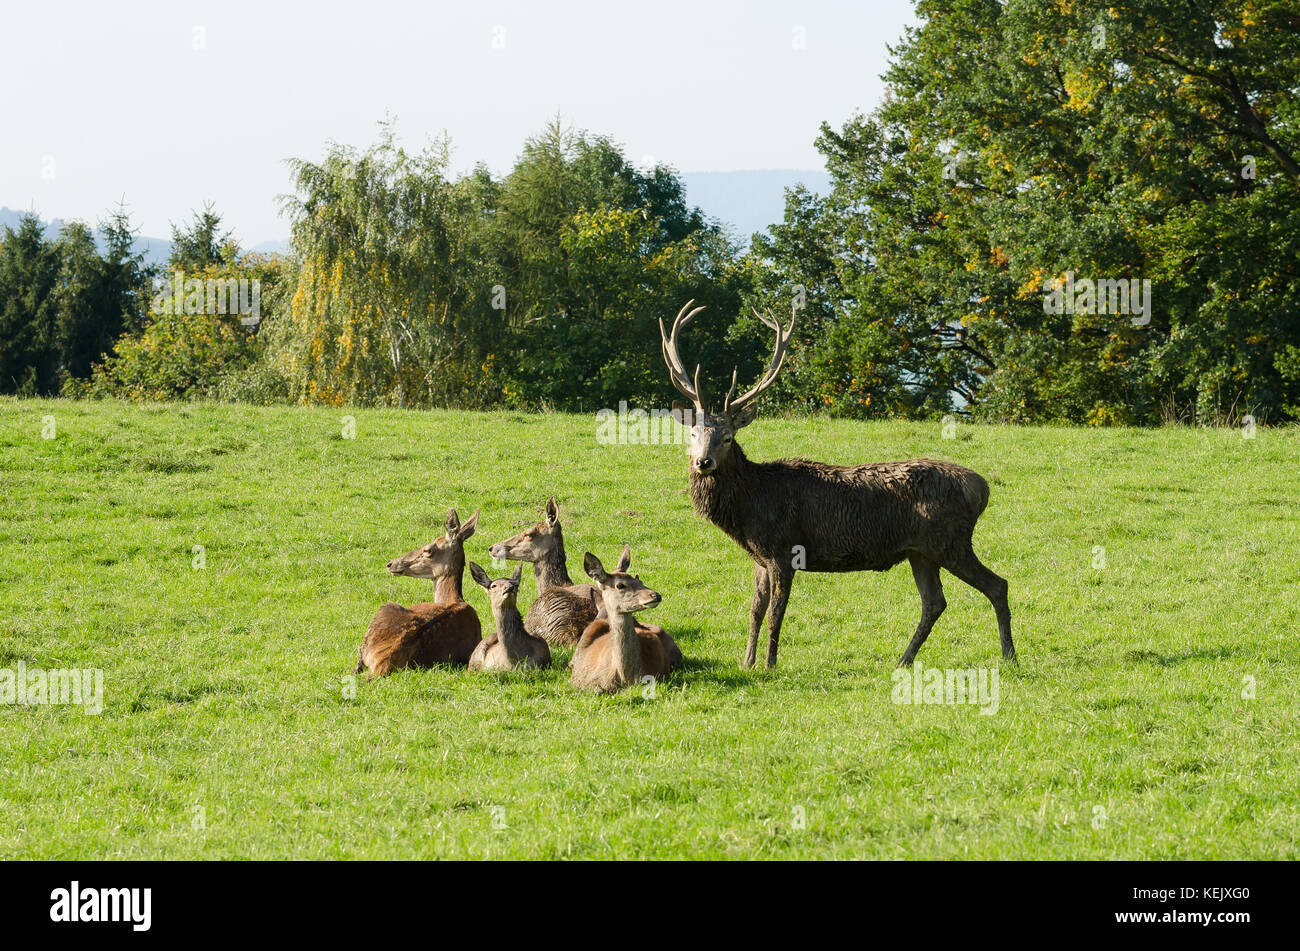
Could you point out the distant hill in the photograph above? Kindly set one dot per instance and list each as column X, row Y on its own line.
column 155, row 250
column 271, row 247
column 748, row 201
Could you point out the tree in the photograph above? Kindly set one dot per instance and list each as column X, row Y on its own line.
column 200, row 244
column 127, row 279
column 391, row 304
column 98, row 296
column 82, row 335
column 29, row 272
column 594, row 252
column 542, row 288
column 190, row 351
column 1025, row 144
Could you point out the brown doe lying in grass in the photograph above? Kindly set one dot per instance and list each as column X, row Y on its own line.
column 796, row 514
column 511, row 646
column 562, row 610
column 443, row 632
column 614, row 651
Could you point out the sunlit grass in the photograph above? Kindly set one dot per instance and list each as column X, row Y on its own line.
column 1124, row 731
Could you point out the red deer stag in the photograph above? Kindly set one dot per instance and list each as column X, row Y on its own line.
column 616, row 652
column 444, row 632
column 511, row 646
column 818, row 517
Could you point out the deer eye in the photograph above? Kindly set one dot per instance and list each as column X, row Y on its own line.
column 620, row 586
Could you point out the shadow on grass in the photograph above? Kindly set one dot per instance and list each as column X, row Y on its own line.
column 10, row 656
column 721, row 673
column 1173, row 660
column 170, row 465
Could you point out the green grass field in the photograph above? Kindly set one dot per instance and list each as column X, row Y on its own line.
column 1153, row 713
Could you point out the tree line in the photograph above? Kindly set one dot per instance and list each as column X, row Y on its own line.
column 1075, row 212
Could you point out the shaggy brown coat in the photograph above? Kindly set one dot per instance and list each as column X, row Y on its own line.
column 795, row 515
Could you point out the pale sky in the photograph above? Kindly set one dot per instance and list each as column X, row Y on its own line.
column 112, row 100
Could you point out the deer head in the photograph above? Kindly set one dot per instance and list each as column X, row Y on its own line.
column 502, row 591
column 443, row 556
column 623, row 593
column 713, row 434
column 535, row 544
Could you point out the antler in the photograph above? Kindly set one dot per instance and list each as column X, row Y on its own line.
column 778, row 357
column 668, row 345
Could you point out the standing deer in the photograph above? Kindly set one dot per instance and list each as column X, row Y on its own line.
column 616, row 652
column 511, row 646
column 562, row 610
column 444, row 632
column 826, row 517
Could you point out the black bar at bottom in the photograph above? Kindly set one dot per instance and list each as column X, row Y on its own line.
column 333, row 900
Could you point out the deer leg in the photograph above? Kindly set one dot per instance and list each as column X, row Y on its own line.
column 994, row 587
column 782, row 576
column 926, row 574
column 757, row 608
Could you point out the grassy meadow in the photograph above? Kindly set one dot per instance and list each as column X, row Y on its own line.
column 1155, row 596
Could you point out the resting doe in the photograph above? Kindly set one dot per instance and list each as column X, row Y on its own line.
column 443, row 632
column 614, row 651
column 562, row 610
column 511, row 646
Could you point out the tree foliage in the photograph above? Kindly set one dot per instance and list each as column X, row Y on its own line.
column 541, row 288
column 1063, row 210
column 1024, row 142
column 191, row 351
column 29, row 275
column 63, row 303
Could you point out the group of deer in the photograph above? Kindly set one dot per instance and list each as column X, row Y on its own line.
column 787, row 515
column 612, row 649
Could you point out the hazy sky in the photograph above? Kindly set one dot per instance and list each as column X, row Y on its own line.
column 112, row 100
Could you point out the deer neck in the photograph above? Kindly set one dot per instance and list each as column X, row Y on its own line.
column 627, row 647
column 552, row 570
column 510, row 628
column 719, row 495
column 446, row 589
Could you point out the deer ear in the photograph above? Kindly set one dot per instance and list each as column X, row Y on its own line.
column 552, row 513
column 625, row 559
column 591, row 564
column 743, row 416
column 519, row 573
column 452, row 525
column 466, row 530
column 479, row 575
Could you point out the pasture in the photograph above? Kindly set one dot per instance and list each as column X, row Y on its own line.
column 220, row 563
